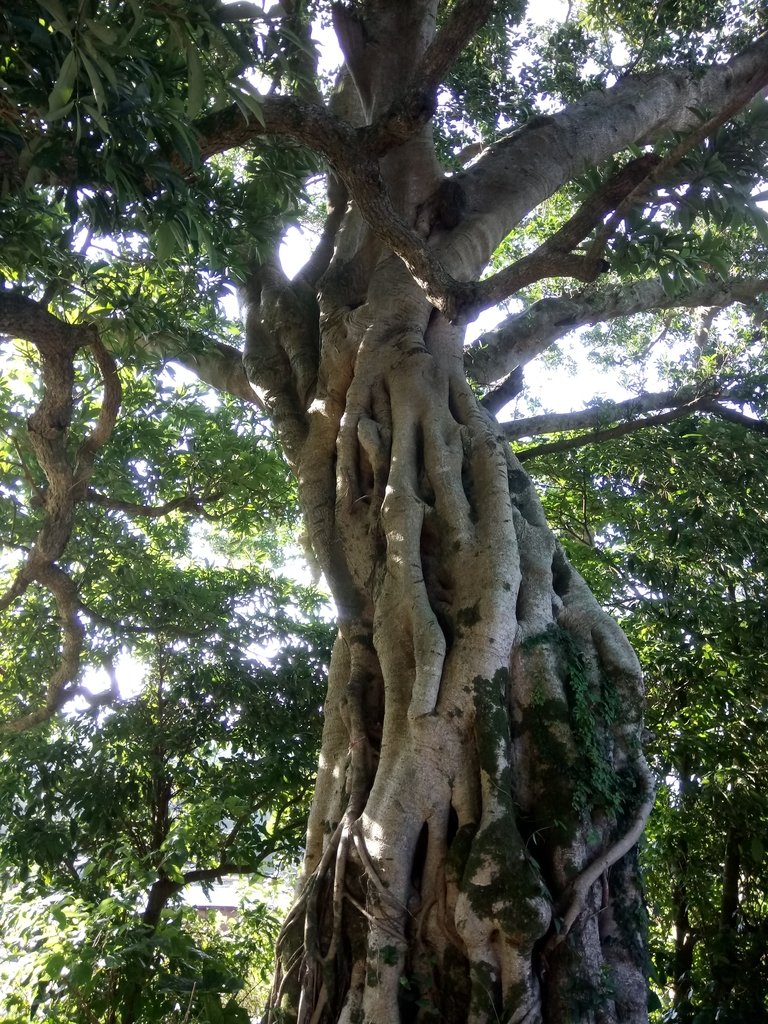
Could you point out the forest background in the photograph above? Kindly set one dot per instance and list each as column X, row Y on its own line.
column 163, row 672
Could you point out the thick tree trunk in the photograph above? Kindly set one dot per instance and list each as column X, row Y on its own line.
column 481, row 756
column 470, row 853
column 481, row 761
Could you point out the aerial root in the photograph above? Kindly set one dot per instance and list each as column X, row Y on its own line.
column 373, row 877
column 281, row 980
column 339, row 873
column 315, row 996
column 306, row 905
column 580, row 887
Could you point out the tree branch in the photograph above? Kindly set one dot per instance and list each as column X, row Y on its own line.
column 714, row 406
column 309, row 124
column 519, row 172
column 215, row 363
column 594, row 437
column 22, row 317
column 102, row 431
column 186, row 503
column 537, row 160
column 739, row 98
column 212, row 874
column 677, row 404
column 58, row 688
column 414, row 109
column 48, row 428
column 525, row 335
column 509, row 388
column 601, row 415
column 554, row 257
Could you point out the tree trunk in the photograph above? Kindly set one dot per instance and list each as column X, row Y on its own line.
column 685, row 939
column 727, row 970
column 481, row 758
column 470, row 852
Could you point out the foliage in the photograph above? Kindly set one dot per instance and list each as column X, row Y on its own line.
column 201, row 770
column 190, row 753
column 670, row 527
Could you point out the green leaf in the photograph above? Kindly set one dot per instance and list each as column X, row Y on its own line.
column 174, row 872
column 667, row 281
column 55, row 964
column 60, row 17
column 249, row 102
column 64, row 87
column 97, row 117
column 104, row 33
column 96, row 83
column 164, row 243
column 760, row 222
column 102, row 62
column 196, row 83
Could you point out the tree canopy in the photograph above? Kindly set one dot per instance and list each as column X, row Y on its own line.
column 598, row 192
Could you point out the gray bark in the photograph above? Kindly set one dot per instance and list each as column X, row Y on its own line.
column 481, row 789
column 525, row 335
column 521, row 171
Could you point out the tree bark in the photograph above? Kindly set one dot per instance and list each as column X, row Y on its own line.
column 481, row 761
column 482, row 740
column 726, row 967
column 481, row 789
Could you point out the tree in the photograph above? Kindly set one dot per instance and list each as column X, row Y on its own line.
column 118, row 811
column 471, row 851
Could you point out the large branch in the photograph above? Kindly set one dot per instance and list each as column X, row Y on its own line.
column 723, row 412
column 565, row 444
column 67, row 479
column 214, row 363
column 602, row 414
column 597, row 416
column 519, row 172
column 419, row 102
column 554, row 257
column 629, row 417
column 523, row 336
column 307, row 123
column 22, row 317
